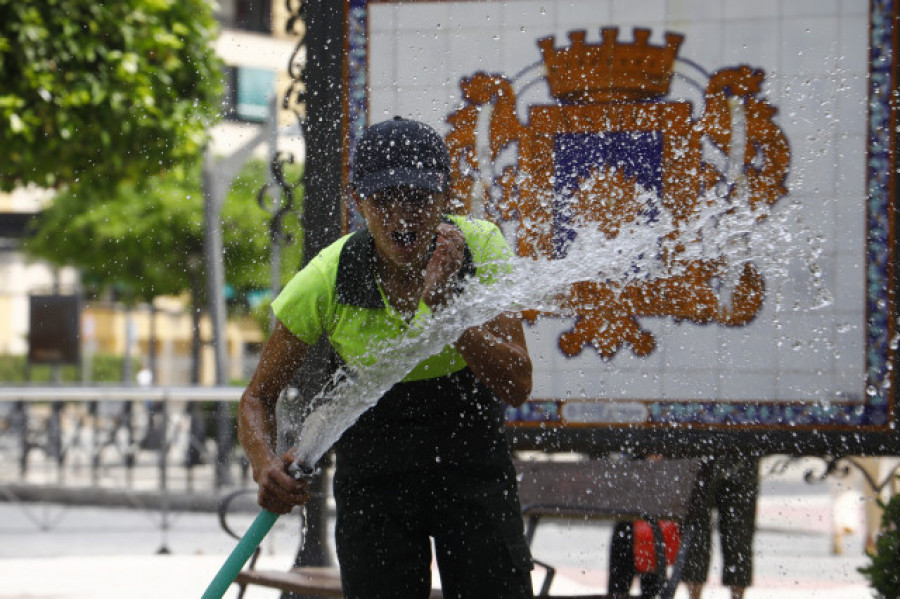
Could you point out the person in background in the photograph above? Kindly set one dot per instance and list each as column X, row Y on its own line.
column 733, row 491
column 430, row 460
column 622, row 568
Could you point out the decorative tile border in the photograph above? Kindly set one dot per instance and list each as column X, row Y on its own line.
column 876, row 411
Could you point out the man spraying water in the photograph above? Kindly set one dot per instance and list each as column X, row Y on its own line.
column 429, row 460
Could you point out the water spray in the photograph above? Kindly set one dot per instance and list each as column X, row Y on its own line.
column 641, row 251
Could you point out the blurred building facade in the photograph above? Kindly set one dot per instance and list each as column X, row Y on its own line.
column 256, row 50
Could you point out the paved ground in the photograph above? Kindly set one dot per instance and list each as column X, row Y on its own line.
column 53, row 551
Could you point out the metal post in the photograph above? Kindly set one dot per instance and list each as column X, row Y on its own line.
column 19, row 422
column 322, row 209
column 213, row 197
column 54, row 439
column 217, row 176
column 164, row 478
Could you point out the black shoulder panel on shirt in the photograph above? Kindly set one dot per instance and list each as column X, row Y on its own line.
column 355, row 283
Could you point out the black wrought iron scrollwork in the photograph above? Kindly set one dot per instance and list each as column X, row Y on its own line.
column 780, row 464
column 837, row 467
column 278, row 209
column 295, row 96
column 841, row 465
column 281, row 203
column 832, row 467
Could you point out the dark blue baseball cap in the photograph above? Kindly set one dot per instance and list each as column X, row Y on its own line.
column 400, row 152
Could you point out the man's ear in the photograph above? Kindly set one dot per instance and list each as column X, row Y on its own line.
column 356, row 199
column 442, row 200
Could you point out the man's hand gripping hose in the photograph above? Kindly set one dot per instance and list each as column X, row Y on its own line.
column 250, row 541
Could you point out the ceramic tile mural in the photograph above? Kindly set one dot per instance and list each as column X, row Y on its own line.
column 779, row 107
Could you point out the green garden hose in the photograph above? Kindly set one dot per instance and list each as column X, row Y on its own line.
column 240, row 554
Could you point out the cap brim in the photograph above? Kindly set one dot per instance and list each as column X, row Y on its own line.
column 435, row 181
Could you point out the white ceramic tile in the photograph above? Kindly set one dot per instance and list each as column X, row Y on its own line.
column 382, row 103
column 702, row 43
column 848, row 380
column 572, row 384
column 691, row 11
column 809, row 45
column 813, row 159
column 541, row 338
column 804, row 387
column 532, row 14
column 382, row 61
column 770, row 91
column 423, row 16
column 577, row 384
column 855, row 7
column 754, row 42
column 809, row 281
column 541, row 389
column 426, row 103
column 477, row 50
column 421, row 58
column 697, row 384
column 742, row 9
column 635, row 386
column 441, row 102
column 803, row 348
column 382, row 17
column 854, row 45
column 662, row 330
column 689, row 345
column 807, row 116
column 849, row 287
column 852, row 152
column 738, row 386
column 521, row 50
column 467, row 15
column 629, row 10
column 852, row 102
column 850, row 349
column 817, row 352
column 748, row 348
column 850, row 238
column 577, row 14
column 807, row 8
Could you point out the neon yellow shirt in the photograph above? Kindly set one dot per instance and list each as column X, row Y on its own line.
column 337, row 294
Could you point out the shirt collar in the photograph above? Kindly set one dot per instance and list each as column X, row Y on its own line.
column 356, row 284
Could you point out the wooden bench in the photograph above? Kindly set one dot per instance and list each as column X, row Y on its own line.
column 307, row 580
column 652, row 490
column 605, row 489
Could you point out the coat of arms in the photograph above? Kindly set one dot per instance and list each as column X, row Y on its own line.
column 587, row 158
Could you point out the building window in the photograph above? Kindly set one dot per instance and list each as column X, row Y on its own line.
column 247, row 15
column 247, row 94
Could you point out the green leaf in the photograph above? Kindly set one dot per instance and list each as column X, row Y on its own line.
column 132, row 84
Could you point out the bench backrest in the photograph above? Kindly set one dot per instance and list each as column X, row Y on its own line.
column 609, row 488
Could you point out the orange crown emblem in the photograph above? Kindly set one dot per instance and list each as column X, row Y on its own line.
column 609, row 71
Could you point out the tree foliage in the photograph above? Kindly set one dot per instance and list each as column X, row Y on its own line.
column 883, row 570
column 103, row 91
column 146, row 240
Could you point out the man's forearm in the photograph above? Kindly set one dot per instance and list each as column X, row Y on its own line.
column 257, row 430
column 501, row 363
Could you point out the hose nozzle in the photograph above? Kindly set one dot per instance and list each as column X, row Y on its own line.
column 301, row 471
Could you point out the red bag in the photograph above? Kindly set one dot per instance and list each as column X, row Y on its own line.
column 644, row 552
